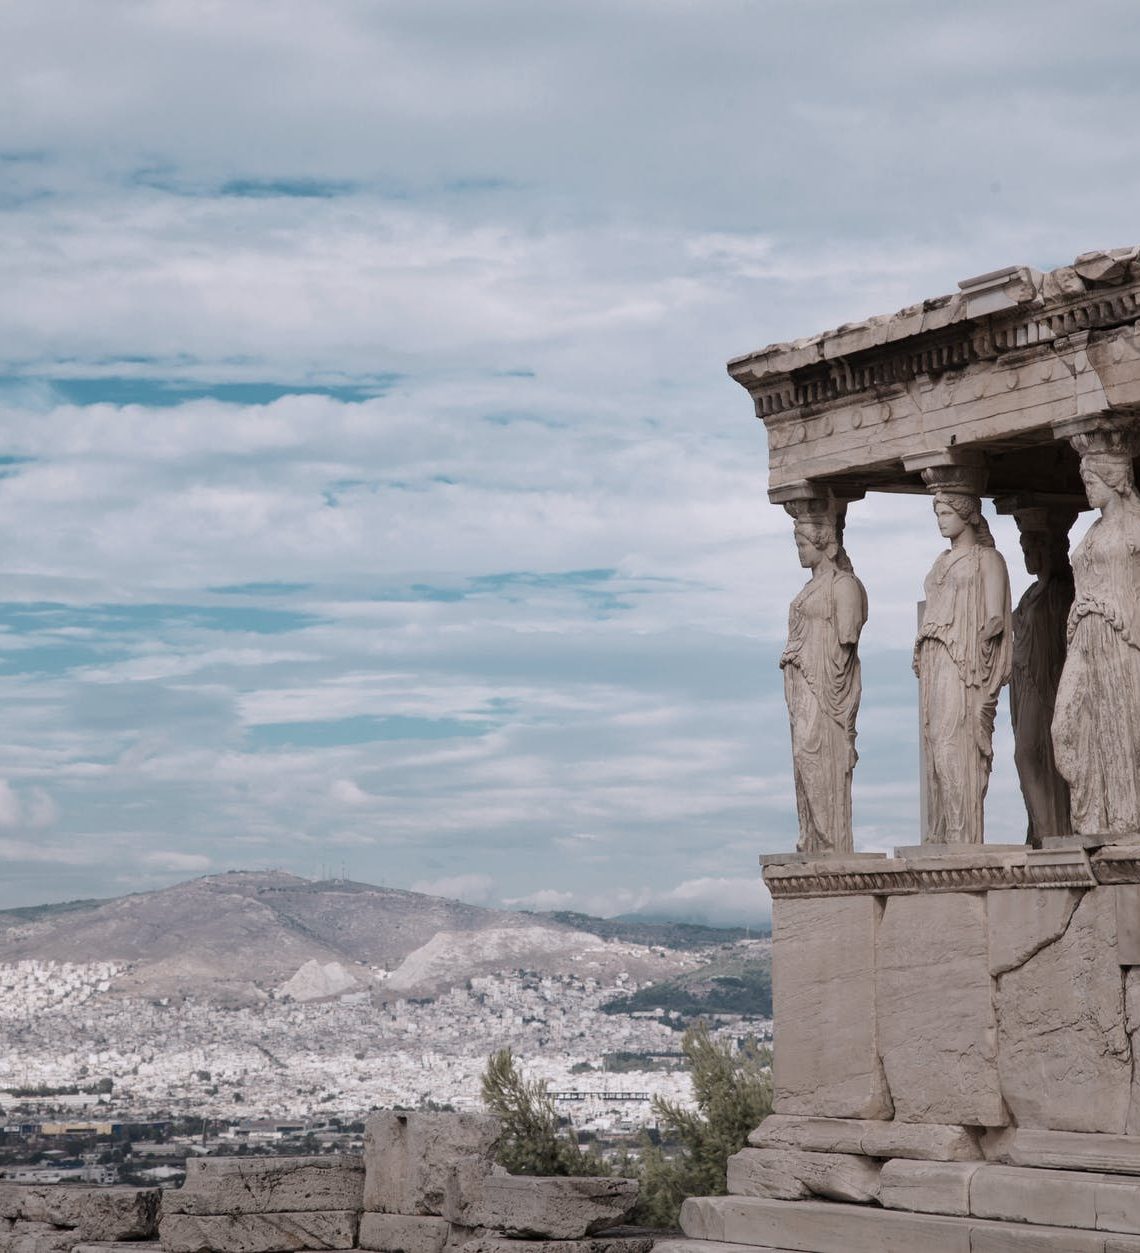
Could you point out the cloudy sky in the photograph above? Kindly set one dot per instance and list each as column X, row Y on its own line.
column 373, row 495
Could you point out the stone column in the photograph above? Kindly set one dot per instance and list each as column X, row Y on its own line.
column 822, row 682
column 1039, row 624
column 962, row 655
column 1096, row 724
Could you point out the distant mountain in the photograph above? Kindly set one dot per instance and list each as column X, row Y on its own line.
column 638, row 929
column 235, row 938
column 739, row 982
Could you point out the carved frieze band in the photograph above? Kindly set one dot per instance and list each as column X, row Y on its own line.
column 896, row 878
column 948, row 349
column 1118, row 870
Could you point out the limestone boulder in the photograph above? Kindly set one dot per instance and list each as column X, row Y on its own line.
column 1064, row 1053
column 936, row 1023
column 555, row 1209
column 826, row 1056
column 428, row 1164
column 260, row 1185
column 792, row 1176
column 258, row 1233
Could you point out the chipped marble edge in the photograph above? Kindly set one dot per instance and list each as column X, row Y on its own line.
column 926, row 316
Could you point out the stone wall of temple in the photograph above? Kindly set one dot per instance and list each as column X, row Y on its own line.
column 425, row 1183
column 955, row 1045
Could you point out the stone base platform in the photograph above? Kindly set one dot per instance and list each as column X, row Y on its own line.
column 956, row 1058
column 727, row 1224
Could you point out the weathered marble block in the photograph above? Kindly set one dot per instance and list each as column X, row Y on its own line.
column 1063, row 1150
column 115, row 1213
column 827, row 1227
column 603, row 1242
column 867, row 1136
column 428, row 1164
column 826, row 1055
column 554, row 1209
column 258, row 1233
column 35, row 1237
column 927, row 1187
column 1064, row 1053
column 266, row 1185
column 791, row 1176
column 1022, row 921
column 936, row 1022
column 400, row 1233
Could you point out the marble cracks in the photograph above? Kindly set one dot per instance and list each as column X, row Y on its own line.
column 1096, row 726
column 962, row 657
column 821, row 677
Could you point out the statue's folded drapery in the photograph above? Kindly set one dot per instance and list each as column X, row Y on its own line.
column 822, row 688
column 961, row 672
column 1096, row 726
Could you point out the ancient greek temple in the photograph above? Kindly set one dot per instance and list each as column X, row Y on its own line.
column 957, row 1024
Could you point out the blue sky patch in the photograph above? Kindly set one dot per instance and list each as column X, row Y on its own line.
column 305, row 188
column 362, row 729
column 151, row 619
column 260, row 589
column 164, row 393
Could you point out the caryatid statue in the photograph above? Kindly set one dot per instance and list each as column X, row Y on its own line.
column 1038, row 658
column 821, row 677
column 1096, row 726
column 962, row 657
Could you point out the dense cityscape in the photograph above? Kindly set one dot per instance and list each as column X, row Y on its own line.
column 84, row 1069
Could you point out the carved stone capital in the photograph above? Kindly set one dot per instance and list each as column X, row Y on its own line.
column 1101, row 434
column 959, row 479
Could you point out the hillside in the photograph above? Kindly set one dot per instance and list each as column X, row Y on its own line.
column 684, row 936
column 737, row 982
column 236, row 938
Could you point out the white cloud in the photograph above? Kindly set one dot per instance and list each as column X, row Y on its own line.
column 171, row 859
column 549, row 282
column 346, row 792
column 475, row 889
column 28, row 809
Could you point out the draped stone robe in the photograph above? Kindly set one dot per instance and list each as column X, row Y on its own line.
column 1096, row 727
column 822, row 687
column 960, row 675
column 1038, row 659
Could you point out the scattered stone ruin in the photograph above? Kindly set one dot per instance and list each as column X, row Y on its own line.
column 425, row 1184
column 957, row 1026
